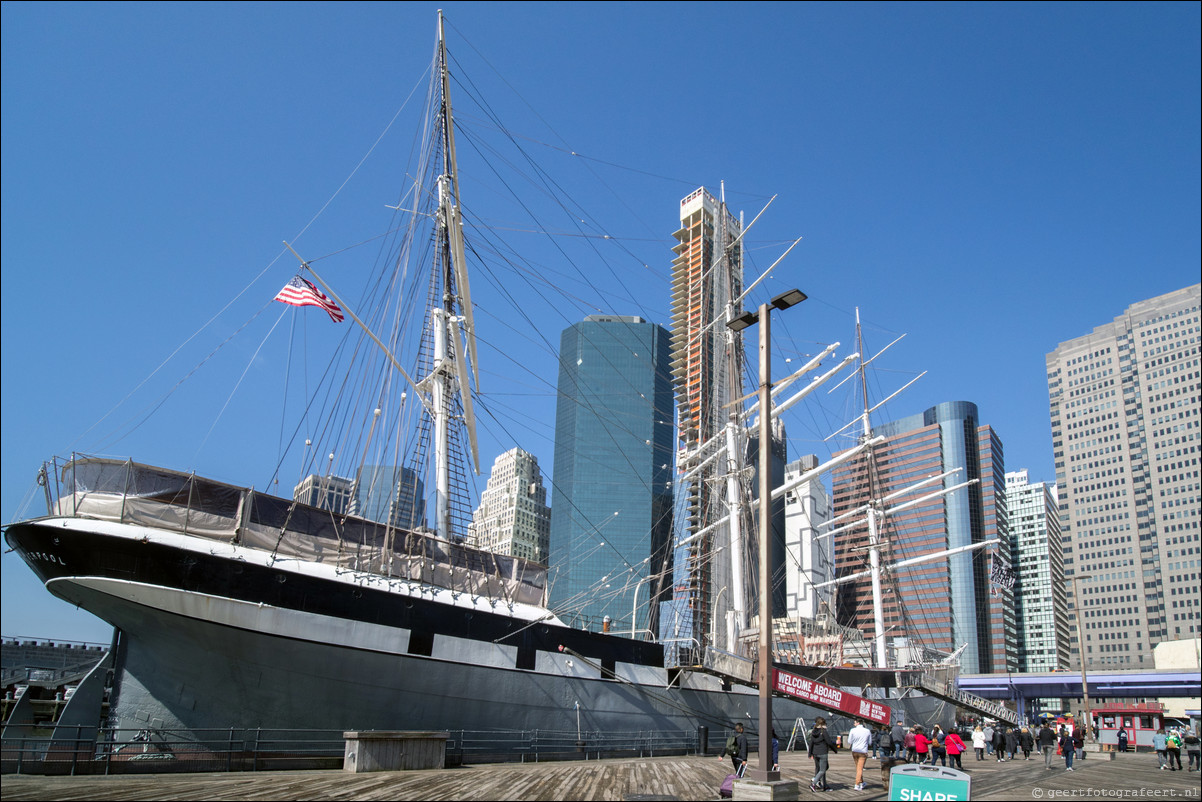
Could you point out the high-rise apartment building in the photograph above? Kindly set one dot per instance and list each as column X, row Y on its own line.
column 810, row 560
column 707, row 277
column 331, row 493
column 1125, row 435
column 1037, row 557
column 963, row 599
column 611, row 515
column 513, row 517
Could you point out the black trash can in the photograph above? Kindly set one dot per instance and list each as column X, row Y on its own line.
column 703, row 740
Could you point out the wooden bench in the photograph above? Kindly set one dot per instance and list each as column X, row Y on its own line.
column 394, row 750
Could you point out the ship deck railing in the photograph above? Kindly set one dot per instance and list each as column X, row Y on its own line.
column 132, row 493
column 102, row 750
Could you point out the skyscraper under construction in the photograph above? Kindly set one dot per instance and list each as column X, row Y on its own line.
column 707, row 281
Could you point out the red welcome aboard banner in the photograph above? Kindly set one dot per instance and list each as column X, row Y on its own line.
column 830, row 698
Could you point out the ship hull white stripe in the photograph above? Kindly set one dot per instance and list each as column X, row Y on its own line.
column 217, row 548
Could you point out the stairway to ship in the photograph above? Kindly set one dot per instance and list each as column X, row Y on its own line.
column 941, row 683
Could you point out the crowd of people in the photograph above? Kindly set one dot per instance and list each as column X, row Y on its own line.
column 1168, row 746
column 916, row 744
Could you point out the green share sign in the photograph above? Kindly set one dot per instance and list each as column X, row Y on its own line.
column 915, row 783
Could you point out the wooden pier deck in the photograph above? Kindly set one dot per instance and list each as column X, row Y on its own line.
column 690, row 777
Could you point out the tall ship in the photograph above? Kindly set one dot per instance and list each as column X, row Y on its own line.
column 238, row 608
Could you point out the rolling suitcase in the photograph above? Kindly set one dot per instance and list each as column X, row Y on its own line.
column 728, row 785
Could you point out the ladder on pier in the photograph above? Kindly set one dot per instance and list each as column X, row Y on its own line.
column 799, row 726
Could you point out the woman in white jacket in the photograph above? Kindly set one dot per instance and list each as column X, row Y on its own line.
column 978, row 742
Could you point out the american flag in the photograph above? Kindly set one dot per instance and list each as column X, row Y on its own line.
column 300, row 292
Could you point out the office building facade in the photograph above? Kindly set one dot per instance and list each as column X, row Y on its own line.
column 810, row 559
column 611, row 511
column 1037, row 558
column 333, row 493
column 513, row 517
column 1124, row 403
column 964, row 599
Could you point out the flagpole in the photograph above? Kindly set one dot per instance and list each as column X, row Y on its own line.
column 362, row 325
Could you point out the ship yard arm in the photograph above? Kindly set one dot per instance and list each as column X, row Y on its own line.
column 717, row 446
column 850, row 454
column 911, row 561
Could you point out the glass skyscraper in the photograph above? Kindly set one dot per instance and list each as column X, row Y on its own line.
column 389, row 494
column 611, row 506
column 965, row 598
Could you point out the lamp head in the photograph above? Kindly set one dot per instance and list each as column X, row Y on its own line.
column 742, row 321
column 788, row 298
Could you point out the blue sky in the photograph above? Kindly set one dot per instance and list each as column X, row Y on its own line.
column 989, row 179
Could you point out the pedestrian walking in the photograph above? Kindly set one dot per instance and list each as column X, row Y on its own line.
column 736, row 747
column 1174, row 749
column 1026, row 742
column 978, row 742
column 999, row 744
column 911, row 743
column 1067, row 748
column 898, row 734
column 1160, row 742
column 822, row 744
column 1011, row 742
column 885, row 742
column 859, row 741
column 1079, row 742
column 938, row 746
column 954, row 745
column 1193, row 749
column 1122, row 740
column 922, row 744
column 989, row 739
column 1047, row 744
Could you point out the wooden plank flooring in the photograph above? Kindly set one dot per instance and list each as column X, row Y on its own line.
column 666, row 777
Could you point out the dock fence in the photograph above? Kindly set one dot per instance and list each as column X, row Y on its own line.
column 140, row 751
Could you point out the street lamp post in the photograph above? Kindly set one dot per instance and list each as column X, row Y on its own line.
column 1081, row 652
column 764, row 664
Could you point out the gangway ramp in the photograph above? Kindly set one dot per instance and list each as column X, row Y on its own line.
column 733, row 668
column 941, row 683
column 937, row 681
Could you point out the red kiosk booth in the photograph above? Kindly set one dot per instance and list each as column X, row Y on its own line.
column 1140, row 722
